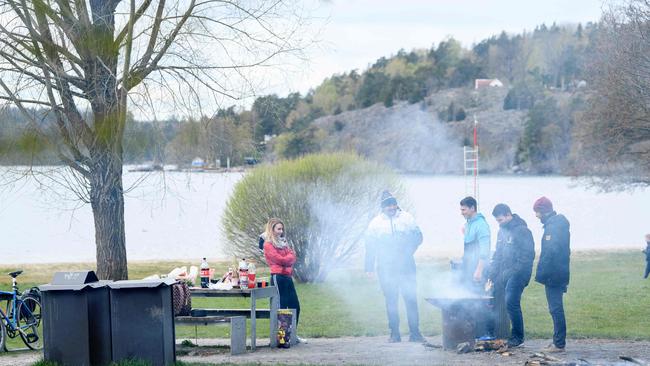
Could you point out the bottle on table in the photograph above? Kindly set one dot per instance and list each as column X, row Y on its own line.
column 243, row 274
column 205, row 273
column 251, row 275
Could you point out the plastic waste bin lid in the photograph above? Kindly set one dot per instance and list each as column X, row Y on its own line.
column 74, row 280
column 141, row 283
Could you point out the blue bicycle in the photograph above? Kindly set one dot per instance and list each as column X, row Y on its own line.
column 20, row 315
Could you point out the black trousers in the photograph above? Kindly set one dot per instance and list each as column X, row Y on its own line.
column 556, row 308
column 647, row 269
column 288, row 295
column 392, row 284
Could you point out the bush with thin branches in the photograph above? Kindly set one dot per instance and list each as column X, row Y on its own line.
column 325, row 200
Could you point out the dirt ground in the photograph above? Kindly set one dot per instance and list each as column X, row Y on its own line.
column 376, row 351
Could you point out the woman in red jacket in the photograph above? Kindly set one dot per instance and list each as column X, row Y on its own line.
column 280, row 258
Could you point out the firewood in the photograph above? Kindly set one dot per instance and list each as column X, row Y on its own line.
column 633, row 360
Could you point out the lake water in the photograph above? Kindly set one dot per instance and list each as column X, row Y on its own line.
column 176, row 215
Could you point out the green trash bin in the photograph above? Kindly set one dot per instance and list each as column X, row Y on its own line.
column 142, row 321
column 76, row 320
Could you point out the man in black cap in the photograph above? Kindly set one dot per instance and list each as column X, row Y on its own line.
column 512, row 266
column 391, row 240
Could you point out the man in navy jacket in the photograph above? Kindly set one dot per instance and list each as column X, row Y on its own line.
column 553, row 266
column 512, row 266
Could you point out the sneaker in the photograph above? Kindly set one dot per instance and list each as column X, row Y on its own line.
column 552, row 348
column 514, row 343
column 394, row 338
column 417, row 338
column 301, row 340
column 486, row 338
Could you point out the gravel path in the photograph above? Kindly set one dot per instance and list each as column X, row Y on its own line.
column 376, row 351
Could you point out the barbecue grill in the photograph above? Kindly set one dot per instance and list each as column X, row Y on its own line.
column 459, row 317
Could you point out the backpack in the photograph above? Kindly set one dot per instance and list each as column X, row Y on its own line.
column 33, row 292
column 181, row 298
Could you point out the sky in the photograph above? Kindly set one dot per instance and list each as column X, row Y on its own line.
column 352, row 34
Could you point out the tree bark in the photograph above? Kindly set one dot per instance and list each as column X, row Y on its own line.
column 106, row 187
column 107, row 201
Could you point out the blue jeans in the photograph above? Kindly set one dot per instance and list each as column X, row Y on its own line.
column 555, row 307
column 392, row 284
column 514, row 289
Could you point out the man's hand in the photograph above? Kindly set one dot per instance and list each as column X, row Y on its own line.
column 370, row 275
column 478, row 273
column 488, row 285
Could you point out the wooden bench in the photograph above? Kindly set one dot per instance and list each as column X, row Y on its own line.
column 237, row 328
column 259, row 313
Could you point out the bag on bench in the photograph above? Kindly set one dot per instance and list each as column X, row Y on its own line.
column 182, row 299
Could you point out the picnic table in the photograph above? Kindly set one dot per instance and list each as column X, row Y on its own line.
column 270, row 292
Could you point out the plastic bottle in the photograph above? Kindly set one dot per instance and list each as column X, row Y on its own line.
column 243, row 274
column 205, row 273
column 251, row 275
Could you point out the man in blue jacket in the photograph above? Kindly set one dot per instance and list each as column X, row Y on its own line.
column 512, row 266
column 553, row 267
column 476, row 253
column 476, row 245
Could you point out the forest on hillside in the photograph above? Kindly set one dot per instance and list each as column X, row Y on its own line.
column 543, row 72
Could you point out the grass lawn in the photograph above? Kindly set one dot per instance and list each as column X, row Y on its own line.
column 607, row 298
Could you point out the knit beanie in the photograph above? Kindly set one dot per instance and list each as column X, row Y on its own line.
column 387, row 199
column 543, row 205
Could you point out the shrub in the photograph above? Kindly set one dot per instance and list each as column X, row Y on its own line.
column 326, row 202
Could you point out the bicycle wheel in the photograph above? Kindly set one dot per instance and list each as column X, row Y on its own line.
column 3, row 334
column 29, row 322
column 34, row 305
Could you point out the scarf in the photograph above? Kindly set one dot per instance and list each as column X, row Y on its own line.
column 280, row 243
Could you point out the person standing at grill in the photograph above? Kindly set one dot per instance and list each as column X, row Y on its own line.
column 553, row 266
column 512, row 266
column 476, row 245
column 647, row 256
column 392, row 238
column 281, row 258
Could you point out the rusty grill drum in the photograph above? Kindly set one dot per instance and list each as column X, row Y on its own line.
column 459, row 316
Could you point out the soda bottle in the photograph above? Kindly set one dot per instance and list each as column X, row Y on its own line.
column 243, row 274
column 251, row 275
column 205, row 273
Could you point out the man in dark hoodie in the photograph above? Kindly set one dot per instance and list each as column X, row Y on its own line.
column 553, row 267
column 512, row 266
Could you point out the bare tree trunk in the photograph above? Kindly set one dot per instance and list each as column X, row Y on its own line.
column 107, row 201
column 106, row 187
